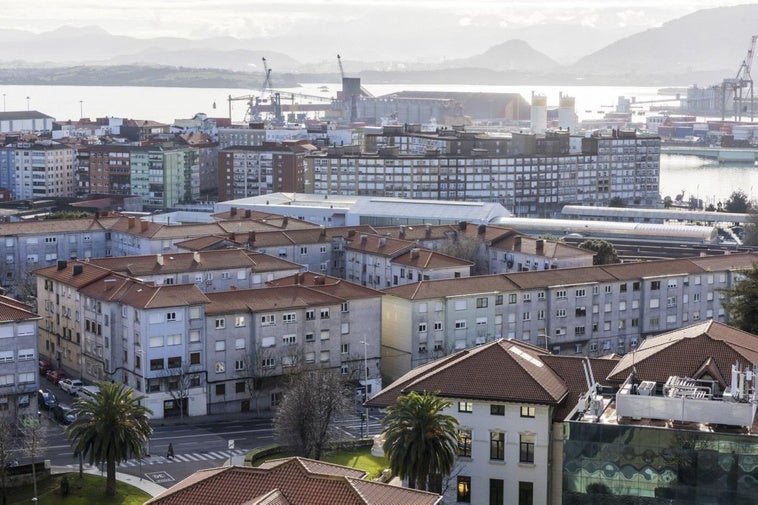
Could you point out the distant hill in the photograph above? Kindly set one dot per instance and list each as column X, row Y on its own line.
column 713, row 40
column 508, row 56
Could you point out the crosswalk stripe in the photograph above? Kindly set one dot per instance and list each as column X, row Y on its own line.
column 191, row 457
column 202, row 457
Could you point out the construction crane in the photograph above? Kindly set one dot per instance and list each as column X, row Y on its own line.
column 740, row 87
column 342, row 70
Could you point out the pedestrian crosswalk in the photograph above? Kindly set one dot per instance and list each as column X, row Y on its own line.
column 185, row 458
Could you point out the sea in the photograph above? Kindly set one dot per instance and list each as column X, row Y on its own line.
column 705, row 179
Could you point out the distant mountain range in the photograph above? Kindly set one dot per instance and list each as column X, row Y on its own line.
column 703, row 47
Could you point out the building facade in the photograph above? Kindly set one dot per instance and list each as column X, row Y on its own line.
column 18, row 358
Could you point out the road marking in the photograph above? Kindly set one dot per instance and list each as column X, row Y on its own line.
column 160, row 477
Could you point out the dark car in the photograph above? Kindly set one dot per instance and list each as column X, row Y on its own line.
column 55, row 376
column 44, row 366
column 63, row 414
column 46, row 399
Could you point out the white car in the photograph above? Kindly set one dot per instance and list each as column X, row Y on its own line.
column 71, row 386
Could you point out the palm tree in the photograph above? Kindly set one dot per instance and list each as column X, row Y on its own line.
column 110, row 427
column 419, row 440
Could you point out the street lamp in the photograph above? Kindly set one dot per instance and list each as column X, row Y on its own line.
column 365, row 383
column 27, row 103
column 81, row 110
column 3, row 102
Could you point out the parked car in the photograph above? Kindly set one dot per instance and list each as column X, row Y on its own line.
column 70, row 386
column 44, row 366
column 46, row 399
column 55, row 376
column 63, row 414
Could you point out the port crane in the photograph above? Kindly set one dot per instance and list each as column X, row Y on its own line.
column 254, row 102
column 740, row 87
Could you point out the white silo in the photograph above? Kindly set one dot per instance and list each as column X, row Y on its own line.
column 539, row 113
column 567, row 118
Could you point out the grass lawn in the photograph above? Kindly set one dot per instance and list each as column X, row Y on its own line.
column 361, row 459
column 87, row 491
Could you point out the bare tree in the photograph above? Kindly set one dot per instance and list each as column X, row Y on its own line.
column 312, row 402
column 33, row 439
column 466, row 248
column 179, row 382
column 259, row 368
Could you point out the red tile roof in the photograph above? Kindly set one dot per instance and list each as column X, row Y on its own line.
column 294, row 481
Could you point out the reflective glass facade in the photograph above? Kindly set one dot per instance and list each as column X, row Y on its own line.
column 612, row 464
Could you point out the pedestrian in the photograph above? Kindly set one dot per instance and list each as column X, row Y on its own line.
column 170, row 453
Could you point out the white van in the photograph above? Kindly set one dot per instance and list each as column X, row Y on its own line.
column 89, row 391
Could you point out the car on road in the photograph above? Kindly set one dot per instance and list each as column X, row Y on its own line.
column 46, row 399
column 70, row 386
column 63, row 414
column 44, row 366
column 55, row 376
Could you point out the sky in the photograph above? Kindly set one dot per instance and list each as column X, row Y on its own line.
column 258, row 18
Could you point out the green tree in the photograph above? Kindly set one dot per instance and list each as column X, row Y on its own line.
column 738, row 202
column 741, row 302
column 617, row 202
column 419, row 440
column 111, row 427
column 606, row 252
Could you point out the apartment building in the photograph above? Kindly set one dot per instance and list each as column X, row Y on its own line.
column 528, row 182
column 494, row 249
column 18, row 357
column 668, row 422
column 42, row 169
column 213, row 270
column 589, row 311
column 245, row 171
column 302, row 321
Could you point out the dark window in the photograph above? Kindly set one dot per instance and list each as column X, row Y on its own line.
column 464, row 489
column 156, row 364
column 194, row 358
column 496, row 492
column 526, row 449
column 220, row 389
column 525, row 493
column 239, row 387
column 497, row 445
column 497, row 410
column 655, row 285
column 175, row 362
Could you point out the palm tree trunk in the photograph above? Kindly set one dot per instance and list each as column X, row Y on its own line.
column 110, row 482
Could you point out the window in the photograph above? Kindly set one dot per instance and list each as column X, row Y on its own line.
column 239, row 343
column 156, row 364
column 526, row 449
column 422, row 327
column 463, row 489
column 541, row 315
column 580, row 292
column 289, row 317
column 498, row 299
column 220, row 345
column 655, row 285
column 345, row 348
column 220, row 323
column 194, row 358
column 267, row 363
column 497, row 410
column 239, row 321
column 496, row 492
column 324, row 334
column 526, row 316
column 290, row 339
column 345, row 307
column 156, row 341
column 464, row 443
column 465, row 407
column 541, row 295
column 239, row 365
column 527, row 297
column 671, row 301
column 324, row 357
column 512, row 298
column 309, row 336
column 303, row 251
column 268, row 319
column 324, row 313
column 527, row 411
column 561, row 293
column 171, row 316
column 497, row 445
column 310, row 315
column 622, row 288
column 560, row 313
column 481, row 303
column 460, row 324
column 220, row 389
column 174, row 339
column 175, row 362
column 525, row 493
column 580, row 312
column 239, row 387
column 438, row 326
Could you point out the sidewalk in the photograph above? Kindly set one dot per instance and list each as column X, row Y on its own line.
column 210, row 418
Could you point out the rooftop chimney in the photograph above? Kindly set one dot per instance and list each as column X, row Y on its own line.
column 247, row 212
column 481, row 229
column 462, row 225
column 233, row 211
column 285, row 221
column 196, row 257
column 132, row 221
column 428, row 231
column 414, row 253
column 62, row 264
column 159, row 259
column 233, row 236
column 517, row 243
column 540, row 245
column 78, row 268
column 251, row 237
column 382, row 241
column 402, row 232
column 144, row 225
column 364, row 239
